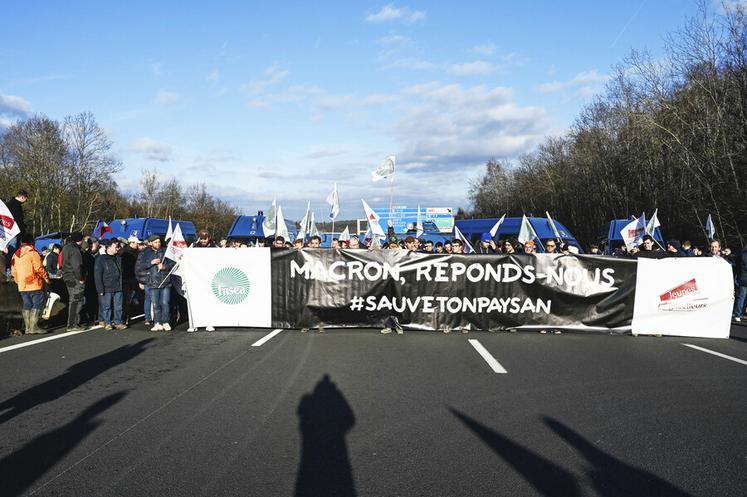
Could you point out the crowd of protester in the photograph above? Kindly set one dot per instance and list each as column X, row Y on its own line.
column 106, row 279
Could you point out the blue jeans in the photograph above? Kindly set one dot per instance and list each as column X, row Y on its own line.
column 146, row 305
column 108, row 303
column 33, row 299
column 161, row 298
column 11, row 246
column 739, row 304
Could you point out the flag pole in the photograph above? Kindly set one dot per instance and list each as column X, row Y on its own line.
column 391, row 195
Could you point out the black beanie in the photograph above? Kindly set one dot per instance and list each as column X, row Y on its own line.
column 76, row 236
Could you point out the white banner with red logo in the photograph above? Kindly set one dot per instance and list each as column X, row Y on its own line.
column 228, row 287
column 691, row 296
column 8, row 226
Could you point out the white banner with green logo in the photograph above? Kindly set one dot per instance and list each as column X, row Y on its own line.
column 228, row 287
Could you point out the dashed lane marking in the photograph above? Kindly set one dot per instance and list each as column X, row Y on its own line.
column 53, row 337
column 492, row 362
column 266, row 338
column 719, row 354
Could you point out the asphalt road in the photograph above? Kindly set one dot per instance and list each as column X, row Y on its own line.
column 354, row 412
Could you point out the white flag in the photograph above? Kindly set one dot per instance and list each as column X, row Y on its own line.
column 385, row 169
column 633, row 232
column 467, row 246
column 345, row 235
column 334, row 201
column 653, row 223
column 269, row 222
column 176, row 246
column 710, row 228
column 526, row 233
column 169, row 232
column 496, row 226
column 373, row 221
column 312, row 227
column 552, row 226
column 419, row 225
column 304, row 223
column 8, row 227
column 281, row 229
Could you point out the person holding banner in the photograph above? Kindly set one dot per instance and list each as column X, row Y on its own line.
column 157, row 279
column 742, row 291
column 30, row 276
column 15, row 206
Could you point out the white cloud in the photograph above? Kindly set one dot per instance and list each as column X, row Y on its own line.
column 486, row 49
column 412, row 64
column 449, row 125
column 152, row 149
column 394, row 39
column 272, row 76
column 155, row 68
column 329, row 103
column 213, row 77
column 379, row 99
column 476, row 68
column 583, row 83
column 13, row 107
column 391, row 13
column 164, row 97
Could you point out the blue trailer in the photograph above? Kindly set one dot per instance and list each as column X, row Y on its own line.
column 143, row 227
column 44, row 241
column 473, row 229
column 611, row 240
column 249, row 228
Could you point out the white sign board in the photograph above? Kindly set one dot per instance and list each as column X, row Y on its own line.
column 688, row 296
column 228, row 287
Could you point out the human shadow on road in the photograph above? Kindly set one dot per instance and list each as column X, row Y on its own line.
column 20, row 469
column 325, row 418
column 610, row 476
column 75, row 376
column 545, row 476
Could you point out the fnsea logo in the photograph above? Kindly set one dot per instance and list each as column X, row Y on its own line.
column 231, row 285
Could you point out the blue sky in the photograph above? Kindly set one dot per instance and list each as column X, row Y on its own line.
column 281, row 99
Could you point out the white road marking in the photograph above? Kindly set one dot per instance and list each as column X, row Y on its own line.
column 266, row 338
column 492, row 362
column 53, row 337
column 709, row 351
column 46, row 339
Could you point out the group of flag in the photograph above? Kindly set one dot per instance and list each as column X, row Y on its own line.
column 274, row 223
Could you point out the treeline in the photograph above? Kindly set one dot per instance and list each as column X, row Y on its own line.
column 667, row 133
column 68, row 169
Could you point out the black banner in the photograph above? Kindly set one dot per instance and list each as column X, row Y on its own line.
column 360, row 288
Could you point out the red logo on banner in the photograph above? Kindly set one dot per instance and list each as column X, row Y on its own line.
column 683, row 290
column 7, row 222
column 180, row 244
column 634, row 233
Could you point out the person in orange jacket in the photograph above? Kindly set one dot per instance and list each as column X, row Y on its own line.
column 30, row 276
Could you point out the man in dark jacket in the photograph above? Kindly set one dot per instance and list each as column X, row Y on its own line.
column 15, row 206
column 128, row 254
column 74, row 275
column 742, row 292
column 155, row 275
column 107, row 275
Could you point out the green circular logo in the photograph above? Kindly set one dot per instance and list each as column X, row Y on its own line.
column 231, row 285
